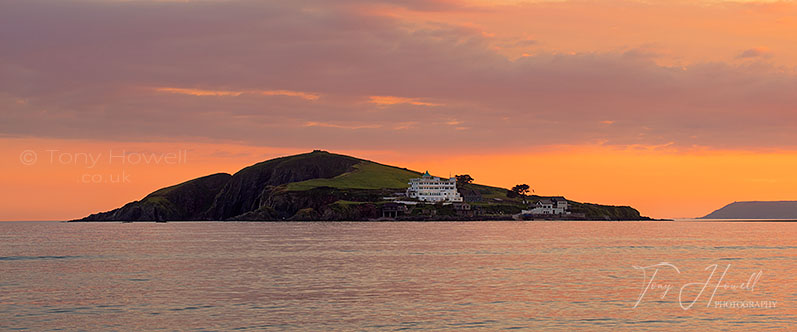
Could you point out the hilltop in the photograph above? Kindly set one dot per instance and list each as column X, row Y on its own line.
column 321, row 186
column 756, row 210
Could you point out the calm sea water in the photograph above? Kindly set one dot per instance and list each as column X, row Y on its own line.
column 397, row 276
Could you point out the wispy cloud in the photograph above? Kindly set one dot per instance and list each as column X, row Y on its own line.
column 199, row 92
column 227, row 93
column 393, row 100
column 340, row 126
column 405, row 125
column 303, row 95
column 757, row 52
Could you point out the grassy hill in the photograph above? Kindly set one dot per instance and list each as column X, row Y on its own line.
column 365, row 175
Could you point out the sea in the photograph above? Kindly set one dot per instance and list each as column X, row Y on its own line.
column 398, row 276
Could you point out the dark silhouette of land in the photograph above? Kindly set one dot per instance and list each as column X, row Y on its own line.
column 756, row 210
column 324, row 186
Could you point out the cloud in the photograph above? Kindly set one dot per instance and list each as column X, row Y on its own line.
column 80, row 67
column 392, row 100
column 199, row 92
column 224, row 93
column 421, row 5
column 340, row 126
column 758, row 52
column 520, row 43
column 300, row 94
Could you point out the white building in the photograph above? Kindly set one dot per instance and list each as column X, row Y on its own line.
column 429, row 188
column 554, row 205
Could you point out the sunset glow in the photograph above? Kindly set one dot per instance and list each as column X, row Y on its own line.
column 673, row 107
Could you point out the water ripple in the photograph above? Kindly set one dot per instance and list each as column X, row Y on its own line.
column 23, row 258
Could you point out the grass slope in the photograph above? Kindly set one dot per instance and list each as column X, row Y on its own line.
column 366, row 175
column 487, row 192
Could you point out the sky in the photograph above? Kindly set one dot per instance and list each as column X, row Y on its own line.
column 673, row 107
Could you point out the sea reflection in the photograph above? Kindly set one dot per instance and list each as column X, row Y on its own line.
column 392, row 276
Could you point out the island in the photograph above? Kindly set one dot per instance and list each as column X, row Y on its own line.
column 323, row 186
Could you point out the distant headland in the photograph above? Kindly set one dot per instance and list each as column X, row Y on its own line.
column 756, row 210
column 323, row 186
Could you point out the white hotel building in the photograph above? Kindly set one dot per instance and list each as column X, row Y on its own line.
column 429, row 188
column 553, row 206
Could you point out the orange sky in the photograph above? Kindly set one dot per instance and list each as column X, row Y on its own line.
column 64, row 181
column 673, row 107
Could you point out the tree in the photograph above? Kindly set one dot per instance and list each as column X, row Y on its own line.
column 511, row 194
column 521, row 190
column 463, row 179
